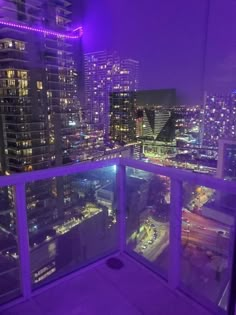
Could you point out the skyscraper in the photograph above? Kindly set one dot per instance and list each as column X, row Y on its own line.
column 219, row 119
column 188, row 118
column 158, row 125
column 226, row 164
column 154, row 108
column 123, row 117
column 39, row 106
column 105, row 73
column 38, row 88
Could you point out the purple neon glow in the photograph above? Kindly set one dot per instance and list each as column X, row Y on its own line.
column 80, row 30
column 45, row 31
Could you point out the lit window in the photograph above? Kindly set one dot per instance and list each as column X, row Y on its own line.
column 23, row 84
column 22, row 74
column 23, row 92
column 39, row 85
column 20, row 45
column 10, row 73
column 60, row 20
column 11, row 83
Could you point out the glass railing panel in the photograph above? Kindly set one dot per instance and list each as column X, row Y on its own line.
column 9, row 255
column 207, row 244
column 148, row 207
column 71, row 221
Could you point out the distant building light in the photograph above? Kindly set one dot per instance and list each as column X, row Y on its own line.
column 72, row 123
column 39, row 85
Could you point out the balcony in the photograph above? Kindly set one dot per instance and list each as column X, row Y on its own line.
column 129, row 238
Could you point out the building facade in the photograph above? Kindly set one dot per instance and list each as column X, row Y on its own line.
column 158, row 125
column 39, row 105
column 188, row 122
column 123, row 117
column 219, row 119
column 106, row 73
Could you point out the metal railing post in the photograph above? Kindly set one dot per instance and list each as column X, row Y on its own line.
column 23, row 240
column 232, row 293
column 175, row 233
column 121, row 205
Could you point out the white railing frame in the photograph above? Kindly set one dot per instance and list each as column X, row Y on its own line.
column 177, row 176
column 121, row 205
column 23, row 240
column 174, row 268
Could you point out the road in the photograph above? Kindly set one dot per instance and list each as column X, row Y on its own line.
column 205, row 232
column 159, row 243
column 204, row 258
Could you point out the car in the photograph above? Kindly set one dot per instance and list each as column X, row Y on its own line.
column 150, row 241
column 144, row 246
column 201, row 227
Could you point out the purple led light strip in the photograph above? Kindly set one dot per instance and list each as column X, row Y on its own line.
column 44, row 31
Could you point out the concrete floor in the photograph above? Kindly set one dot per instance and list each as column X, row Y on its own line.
column 131, row 290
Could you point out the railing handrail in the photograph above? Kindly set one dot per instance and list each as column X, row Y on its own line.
column 47, row 173
column 182, row 175
column 177, row 176
column 171, row 172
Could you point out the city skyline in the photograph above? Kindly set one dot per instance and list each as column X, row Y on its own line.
column 108, row 146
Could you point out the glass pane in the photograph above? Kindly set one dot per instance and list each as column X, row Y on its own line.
column 71, row 222
column 9, row 259
column 148, row 205
column 207, row 233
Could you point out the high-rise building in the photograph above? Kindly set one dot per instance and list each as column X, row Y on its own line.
column 123, row 117
column 188, row 118
column 154, row 109
column 158, row 125
column 39, row 106
column 106, row 73
column 219, row 119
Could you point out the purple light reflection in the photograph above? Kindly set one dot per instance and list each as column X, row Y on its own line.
column 80, row 30
column 44, row 31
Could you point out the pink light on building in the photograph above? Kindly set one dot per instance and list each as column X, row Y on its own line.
column 79, row 30
column 45, row 31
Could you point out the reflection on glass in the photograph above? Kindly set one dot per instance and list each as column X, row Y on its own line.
column 71, row 222
column 9, row 258
column 207, row 227
column 148, row 204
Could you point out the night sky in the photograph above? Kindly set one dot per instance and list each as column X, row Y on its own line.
column 179, row 43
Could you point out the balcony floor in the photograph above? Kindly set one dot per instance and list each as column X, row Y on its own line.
column 131, row 290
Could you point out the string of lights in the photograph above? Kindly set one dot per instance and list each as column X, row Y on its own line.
column 77, row 33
